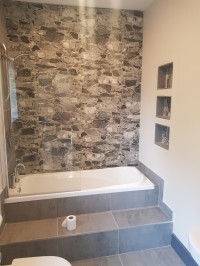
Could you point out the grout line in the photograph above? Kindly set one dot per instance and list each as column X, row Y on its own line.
column 145, row 224
column 117, row 232
column 97, row 258
column 120, row 259
column 115, row 220
column 137, row 208
column 110, row 202
column 57, row 226
column 118, row 242
column 144, row 250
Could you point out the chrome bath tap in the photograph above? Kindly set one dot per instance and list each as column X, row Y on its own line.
column 16, row 174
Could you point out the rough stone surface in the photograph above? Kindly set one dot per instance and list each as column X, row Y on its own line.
column 79, row 96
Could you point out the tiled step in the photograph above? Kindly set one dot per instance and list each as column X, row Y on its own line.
column 97, row 235
column 142, row 229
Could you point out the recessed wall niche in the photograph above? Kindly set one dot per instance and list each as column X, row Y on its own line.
column 163, row 108
column 162, row 136
column 165, row 76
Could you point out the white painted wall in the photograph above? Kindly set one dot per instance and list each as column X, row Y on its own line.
column 2, row 141
column 172, row 34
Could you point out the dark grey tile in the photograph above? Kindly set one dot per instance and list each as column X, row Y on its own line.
column 134, row 199
column 159, row 186
column 30, row 210
column 105, row 261
column 165, row 209
column 151, row 197
column 165, row 256
column 153, row 177
column 83, row 204
column 29, row 249
column 134, row 217
column 27, row 231
column 124, row 200
column 88, row 223
column 136, row 259
column 144, row 237
column 88, row 246
column 150, row 174
column 169, row 257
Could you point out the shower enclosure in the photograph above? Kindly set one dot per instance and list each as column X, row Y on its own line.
column 71, row 87
column 38, row 134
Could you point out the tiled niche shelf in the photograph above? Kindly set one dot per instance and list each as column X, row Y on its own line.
column 165, row 76
column 163, row 108
column 162, row 136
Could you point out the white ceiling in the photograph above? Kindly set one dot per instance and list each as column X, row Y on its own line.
column 116, row 4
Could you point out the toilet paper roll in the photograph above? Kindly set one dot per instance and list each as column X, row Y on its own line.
column 70, row 222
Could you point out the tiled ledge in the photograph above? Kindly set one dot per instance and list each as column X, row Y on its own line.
column 159, row 183
column 86, row 224
column 96, row 235
column 28, row 231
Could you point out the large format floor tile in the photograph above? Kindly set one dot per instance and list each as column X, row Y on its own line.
column 27, row 231
column 105, row 261
column 165, row 256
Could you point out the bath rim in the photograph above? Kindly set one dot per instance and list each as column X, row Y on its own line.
column 143, row 184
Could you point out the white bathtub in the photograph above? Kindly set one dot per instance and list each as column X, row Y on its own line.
column 77, row 183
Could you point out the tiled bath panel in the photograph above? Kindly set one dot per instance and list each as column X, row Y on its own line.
column 83, row 83
column 51, row 208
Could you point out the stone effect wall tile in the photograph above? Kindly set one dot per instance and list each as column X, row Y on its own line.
column 83, row 83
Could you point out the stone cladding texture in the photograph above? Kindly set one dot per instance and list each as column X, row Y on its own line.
column 78, row 93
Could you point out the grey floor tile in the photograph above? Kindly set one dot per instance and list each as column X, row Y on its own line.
column 105, row 261
column 129, row 218
column 27, row 231
column 164, row 256
column 88, row 223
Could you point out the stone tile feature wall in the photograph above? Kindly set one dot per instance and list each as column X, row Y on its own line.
column 79, row 92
